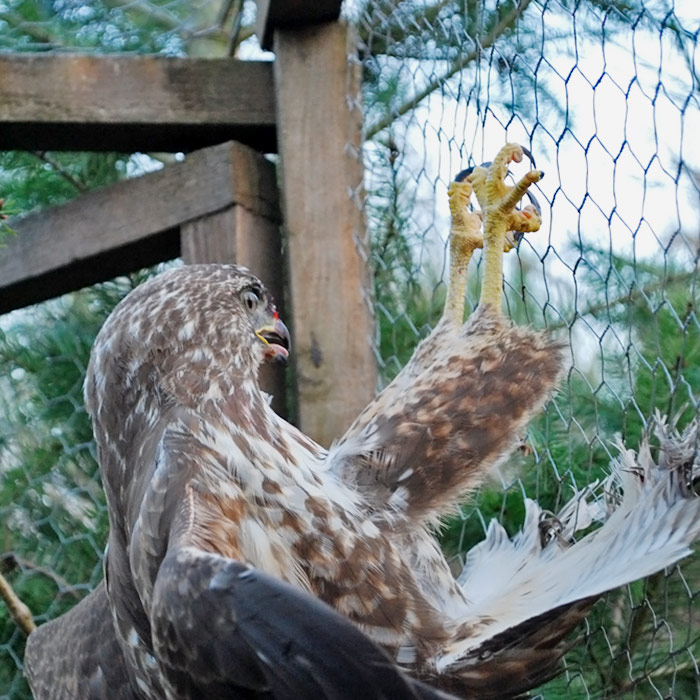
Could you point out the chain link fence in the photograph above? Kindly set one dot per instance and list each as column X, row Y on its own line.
column 604, row 93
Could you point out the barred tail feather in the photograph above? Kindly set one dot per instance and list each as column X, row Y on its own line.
column 650, row 517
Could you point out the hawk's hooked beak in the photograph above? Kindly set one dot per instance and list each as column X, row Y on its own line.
column 275, row 336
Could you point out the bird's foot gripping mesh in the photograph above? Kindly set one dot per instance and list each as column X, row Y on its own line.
column 498, row 206
column 503, row 224
column 465, row 238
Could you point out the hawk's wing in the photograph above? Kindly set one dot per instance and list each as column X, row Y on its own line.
column 77, row 656
column 526, row 592
column 220, row 626
column 521, row 658
column 449, row 416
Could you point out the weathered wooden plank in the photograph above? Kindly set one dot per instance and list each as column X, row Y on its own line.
column 210, row 239
column 129, row 225
column 328, row 276
column 82, row 273
column 241, row 236
column 281, row 14
column 133, row 103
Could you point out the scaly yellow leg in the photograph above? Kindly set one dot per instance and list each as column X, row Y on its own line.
column 465, row 237
column 497, row 201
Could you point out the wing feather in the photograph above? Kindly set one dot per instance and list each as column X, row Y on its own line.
column 221, row 626
column 77, row 656
column 449, row 417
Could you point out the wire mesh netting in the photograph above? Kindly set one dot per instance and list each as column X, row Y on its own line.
column 604, row 93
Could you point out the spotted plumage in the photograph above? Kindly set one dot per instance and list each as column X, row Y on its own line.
column 228, row 526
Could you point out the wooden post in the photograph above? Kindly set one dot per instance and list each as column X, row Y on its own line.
column 247, row 235
column 288, row 14
column 333, row 326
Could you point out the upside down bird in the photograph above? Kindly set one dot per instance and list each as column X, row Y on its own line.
column 246, row 561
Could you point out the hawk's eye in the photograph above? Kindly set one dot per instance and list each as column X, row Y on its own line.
column 251, row 299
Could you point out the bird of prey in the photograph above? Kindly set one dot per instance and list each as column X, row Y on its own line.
column 246, row 561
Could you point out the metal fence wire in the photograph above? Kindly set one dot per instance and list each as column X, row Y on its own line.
column 605, row 94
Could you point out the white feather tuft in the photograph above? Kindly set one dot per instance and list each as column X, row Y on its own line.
column 650, row 517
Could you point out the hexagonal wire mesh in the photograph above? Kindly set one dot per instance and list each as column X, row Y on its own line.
column 604, row 94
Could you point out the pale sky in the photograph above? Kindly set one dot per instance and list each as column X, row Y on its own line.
column 637, row 91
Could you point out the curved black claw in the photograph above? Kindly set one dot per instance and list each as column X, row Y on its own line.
column 517, row 235
column 462, row 175
column 534, row 202
column 530, row 157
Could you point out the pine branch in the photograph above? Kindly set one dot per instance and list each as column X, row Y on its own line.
column 397, row 29
column 629, row 297
column 12, row 560
column 167, row 21
column 672, row 669
column 144, row 11
column 31, row 29
column 21, row 614
column 457, row 65
column 637, row 632
column 41, row 155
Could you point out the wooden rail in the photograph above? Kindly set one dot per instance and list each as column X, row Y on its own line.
column 133, row 224
column 133, row 103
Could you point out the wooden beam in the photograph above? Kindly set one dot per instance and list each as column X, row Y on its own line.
column 288, row 14
column 131, row 224
column 328, row 276
column 133, row 103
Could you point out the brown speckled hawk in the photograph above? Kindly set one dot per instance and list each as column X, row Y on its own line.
column 245, row 561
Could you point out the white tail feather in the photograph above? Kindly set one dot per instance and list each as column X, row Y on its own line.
column 650, row 518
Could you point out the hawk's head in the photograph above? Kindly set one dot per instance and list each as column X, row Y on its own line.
column 189, row 333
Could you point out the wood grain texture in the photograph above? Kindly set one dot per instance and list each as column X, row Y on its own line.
column 131, row 224
column 210, row 239
column 281, row 14
column 133, row 103
column 328, row 275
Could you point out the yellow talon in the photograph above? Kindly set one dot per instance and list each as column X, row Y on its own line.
column 498, row 201
column 465, row 237
column 500, row 219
